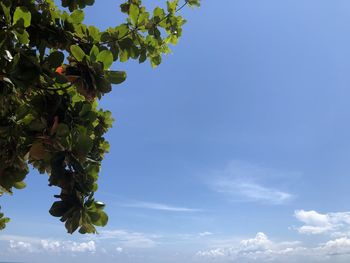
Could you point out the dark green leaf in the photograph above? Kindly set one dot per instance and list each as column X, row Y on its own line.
column 62, row 130
column 103, row 220
column 59, row 208
column 84, row 144
column 94, row 53
column 55, row 59
column 115, row 77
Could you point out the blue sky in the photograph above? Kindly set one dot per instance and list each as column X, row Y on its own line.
column 236, row 149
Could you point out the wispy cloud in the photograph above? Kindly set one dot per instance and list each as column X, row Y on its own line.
column 242, row 181
column 204, row 234
column 161, row 207
column 129, row 239
column 251, row 191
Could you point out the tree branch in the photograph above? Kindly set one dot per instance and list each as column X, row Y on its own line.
column 137, row 28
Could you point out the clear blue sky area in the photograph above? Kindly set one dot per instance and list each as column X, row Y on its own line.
column 235, row 149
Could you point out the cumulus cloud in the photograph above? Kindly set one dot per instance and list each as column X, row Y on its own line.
column 317, row 223
column 340, row 246
column 83, row 246
column 36, row 245
column 67, row 246
column 50, row 245
column 241, row 181
column 260, row 247
column 21, row 246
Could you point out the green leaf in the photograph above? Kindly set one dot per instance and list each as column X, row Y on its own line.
column 155, row 61
column 193, row 2
column 94, row 53
column 100, row 205
column 77, row 52
column 6, row 11
column 115, row 77
column 172, row 6
column 3, row 222
column 87, row 228
column 77, row 16
column 134, row 13
column 106, row 57
column 124, row 56
column 94, row 33
column 84, row 144
column 143, row 56
column 23, row 37
column 89, row 2
column 55, row 59
column 103, row 220
column 19, row 185
column 73, row 222
column 85, row 110
column 123, row 30
column 62, row 130
column 22, row 13
column 158, row 14
column 143, row 18
column 59, row 208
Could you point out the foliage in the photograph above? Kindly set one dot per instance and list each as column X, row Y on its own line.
column 53, row 71
column 3, row 221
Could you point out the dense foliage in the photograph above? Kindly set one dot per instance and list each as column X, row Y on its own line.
column 53, row 71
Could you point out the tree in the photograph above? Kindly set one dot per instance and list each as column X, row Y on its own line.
column 53, row 71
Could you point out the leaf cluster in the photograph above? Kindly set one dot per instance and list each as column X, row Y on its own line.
column 53, row 70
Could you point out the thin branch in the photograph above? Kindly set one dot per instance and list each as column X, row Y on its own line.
column 58, row 89
column 136, row 28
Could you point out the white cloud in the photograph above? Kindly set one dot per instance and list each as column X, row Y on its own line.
column 83, row 247
column 129, row 239
column 258, row 248
column 21, row 246
column 251, row 191
column 50, row 245
column 67, row 246
column 262, row 249
column 119, row 249
column 204, row 234
column 260, row 242
column 240, row 181
column 161, row 207
column 340, row 246
column 37, row 245
column 317, row 223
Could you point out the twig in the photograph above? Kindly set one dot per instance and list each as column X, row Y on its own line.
column 136, row 28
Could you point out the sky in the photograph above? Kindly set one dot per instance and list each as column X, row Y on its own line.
column 235, row 149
